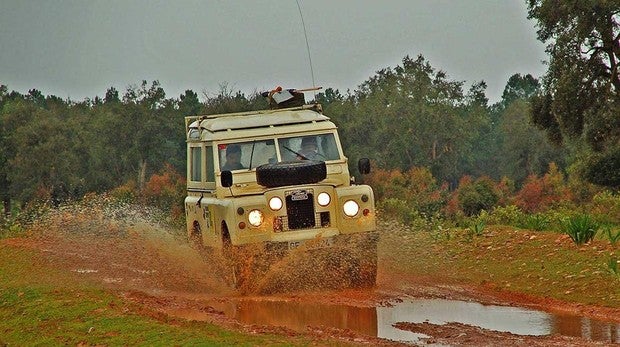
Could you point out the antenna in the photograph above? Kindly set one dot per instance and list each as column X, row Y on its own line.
column 307, row 45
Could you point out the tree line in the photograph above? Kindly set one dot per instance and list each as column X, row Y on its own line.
column 403, row 117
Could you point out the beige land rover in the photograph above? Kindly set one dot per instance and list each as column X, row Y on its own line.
column 277, row 177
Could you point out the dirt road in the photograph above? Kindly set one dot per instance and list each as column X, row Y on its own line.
column 152, row 268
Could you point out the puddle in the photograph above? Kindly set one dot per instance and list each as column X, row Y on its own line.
column 515, row 320
column 379, row 321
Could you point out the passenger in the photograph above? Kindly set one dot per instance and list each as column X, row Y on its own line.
column 233, row 158
column 309, row 149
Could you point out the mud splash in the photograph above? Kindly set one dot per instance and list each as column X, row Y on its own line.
column 122, row 246
column 132, row 247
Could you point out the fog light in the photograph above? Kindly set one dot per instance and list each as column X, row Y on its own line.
column 366, row 212
column 241, row 225
column 351, row 208
column 255, row 217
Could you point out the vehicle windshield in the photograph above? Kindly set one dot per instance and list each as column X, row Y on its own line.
column 309, row 147
column 246, row 155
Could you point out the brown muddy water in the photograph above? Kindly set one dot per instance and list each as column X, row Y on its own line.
column 379, row 321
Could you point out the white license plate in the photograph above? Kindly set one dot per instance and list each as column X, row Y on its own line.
column 313, row 243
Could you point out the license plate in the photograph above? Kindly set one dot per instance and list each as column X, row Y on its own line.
column 313, row 243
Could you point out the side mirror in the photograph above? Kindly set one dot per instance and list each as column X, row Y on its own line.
column 363, row 165
column 226, row 179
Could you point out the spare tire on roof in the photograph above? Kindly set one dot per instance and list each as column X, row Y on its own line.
column 289, row 173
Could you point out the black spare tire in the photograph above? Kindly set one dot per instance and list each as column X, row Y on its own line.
column 289, row 173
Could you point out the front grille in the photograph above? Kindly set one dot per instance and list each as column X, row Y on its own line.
column 299, row 210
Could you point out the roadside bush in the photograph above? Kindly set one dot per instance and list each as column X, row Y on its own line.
column 398, row 209
column 505, row 215
column 387, row 183
column 505, row 189
column 476, row 196
column 537, row 221
column 540, row 194
column 166, row 191
column 606, row 207
column 581, row 228
column 417, row 188
column 125, row 193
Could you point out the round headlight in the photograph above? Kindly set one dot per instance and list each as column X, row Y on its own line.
column 255, row 218
column 351, row 208
column 323, row 199
column 275, row 203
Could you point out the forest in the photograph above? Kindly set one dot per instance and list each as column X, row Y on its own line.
column 422, row 130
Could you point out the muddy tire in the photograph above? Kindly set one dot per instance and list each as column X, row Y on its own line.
column 230, row 254
column 195, row 237
column 363, row 271
column 290, row 173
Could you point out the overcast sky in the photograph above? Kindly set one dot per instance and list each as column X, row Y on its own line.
column 78, row 49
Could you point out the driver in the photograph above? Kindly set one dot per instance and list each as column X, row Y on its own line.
column 309, row 148
column 233, row 158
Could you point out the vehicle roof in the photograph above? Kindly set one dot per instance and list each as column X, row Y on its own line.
column 257, row 123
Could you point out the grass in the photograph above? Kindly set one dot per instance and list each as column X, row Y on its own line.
column 612, row 236
column 581, row 228
column 613, row 268
column 43, row 306
column 542, row 264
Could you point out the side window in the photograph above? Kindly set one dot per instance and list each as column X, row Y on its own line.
column 210, row 165
column 196, row 164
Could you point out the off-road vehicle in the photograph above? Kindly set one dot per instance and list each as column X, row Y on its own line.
column 277, row 177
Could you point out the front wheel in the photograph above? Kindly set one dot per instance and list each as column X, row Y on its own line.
column 363, row 271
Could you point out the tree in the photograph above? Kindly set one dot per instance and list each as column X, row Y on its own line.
column 111, row 96
column 519, row 87
column 414, row 116
column 227, row 100
column 523, row 150
column 189, row 104
column 580, row 100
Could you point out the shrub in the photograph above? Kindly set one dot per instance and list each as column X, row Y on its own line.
column 165, row 190
column 505, row 189
column 477, row 196
column 536, row 221
column 505, row 215
column 606, row 206
column 417, row 188
column 397, row 208
column 580, row 228
column 539, row 194
column 125, row 193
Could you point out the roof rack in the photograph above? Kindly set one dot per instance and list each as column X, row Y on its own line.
column 313, row 107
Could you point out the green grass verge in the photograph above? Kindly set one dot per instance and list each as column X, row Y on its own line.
column 43, row 306
column 542, row 264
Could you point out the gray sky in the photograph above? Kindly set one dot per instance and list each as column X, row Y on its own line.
column 78, row 49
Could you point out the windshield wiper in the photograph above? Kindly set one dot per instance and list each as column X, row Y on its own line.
column 298, row 154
